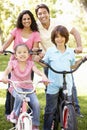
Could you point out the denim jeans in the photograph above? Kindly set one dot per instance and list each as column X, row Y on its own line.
column 74, row 97
column 33, row 103
column 51, row 105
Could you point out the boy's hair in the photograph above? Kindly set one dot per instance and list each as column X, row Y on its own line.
column 62, row 30
column 33, row 25
column 41, row 6
column 21, row 44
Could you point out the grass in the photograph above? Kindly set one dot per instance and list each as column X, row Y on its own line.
column 3, row 61
column 5, row 125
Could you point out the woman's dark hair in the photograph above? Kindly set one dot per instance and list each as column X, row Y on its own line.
column 41, row 6
column 33, row 25
column 62, row 31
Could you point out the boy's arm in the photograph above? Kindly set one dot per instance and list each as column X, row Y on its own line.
column 76, row 63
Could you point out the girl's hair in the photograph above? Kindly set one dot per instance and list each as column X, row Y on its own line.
column 33, row 25
column 62, row 31
column 41, row 6
column 21, row 44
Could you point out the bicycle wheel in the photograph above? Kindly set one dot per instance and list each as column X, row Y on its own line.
column 24, row 123
column 27, row 123
column 69, row 118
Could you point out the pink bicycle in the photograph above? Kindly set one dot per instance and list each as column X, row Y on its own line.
column 24, row 121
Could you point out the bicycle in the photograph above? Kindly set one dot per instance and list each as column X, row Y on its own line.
column 65, row 112
column 24, row 121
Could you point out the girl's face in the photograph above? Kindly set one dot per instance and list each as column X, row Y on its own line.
column 26, row 20
column 59, row 40
column 22, row 53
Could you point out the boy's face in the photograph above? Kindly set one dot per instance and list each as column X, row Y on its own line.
column 59, row 40
column 22, row 53
column 43, row 15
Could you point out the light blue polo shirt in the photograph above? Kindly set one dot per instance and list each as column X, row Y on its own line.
column 60, row 62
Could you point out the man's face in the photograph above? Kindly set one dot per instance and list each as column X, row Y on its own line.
column 43, row 15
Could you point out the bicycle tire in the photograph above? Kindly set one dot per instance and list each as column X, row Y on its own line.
column 69, row 116
column 24, row 124
column 27, row 123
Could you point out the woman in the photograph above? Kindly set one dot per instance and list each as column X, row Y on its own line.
column 26, row 32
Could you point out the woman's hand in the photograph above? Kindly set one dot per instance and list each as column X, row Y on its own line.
column 5, row 80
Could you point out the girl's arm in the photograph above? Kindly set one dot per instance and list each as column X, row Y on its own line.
column 38, row 72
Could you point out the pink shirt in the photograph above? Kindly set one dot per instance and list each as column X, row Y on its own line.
column 19, row 75
column 33, row 37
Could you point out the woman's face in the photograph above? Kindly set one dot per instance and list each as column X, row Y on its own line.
column 26, row 20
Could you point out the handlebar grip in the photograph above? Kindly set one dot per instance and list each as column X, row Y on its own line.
column 36, row 52
column 42, row 61
column 83, row 60
column 6, row 52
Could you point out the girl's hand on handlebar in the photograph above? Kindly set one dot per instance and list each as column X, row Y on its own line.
column 45, row 80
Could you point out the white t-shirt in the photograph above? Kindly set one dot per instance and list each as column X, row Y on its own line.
column 46, row 33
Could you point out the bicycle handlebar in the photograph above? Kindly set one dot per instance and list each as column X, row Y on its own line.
column 64, row 72
column 26, row 81
column 31, row 52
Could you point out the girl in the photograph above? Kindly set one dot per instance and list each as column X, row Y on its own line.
column 20, row 69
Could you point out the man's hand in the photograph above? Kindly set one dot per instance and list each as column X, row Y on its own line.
column 78, row 50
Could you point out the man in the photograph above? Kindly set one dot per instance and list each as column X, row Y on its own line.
column 46, row 24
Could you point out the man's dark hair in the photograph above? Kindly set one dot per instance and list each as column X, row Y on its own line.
column 41, row 6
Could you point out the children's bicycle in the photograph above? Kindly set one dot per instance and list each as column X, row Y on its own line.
column 24, row 121
column 65, row 112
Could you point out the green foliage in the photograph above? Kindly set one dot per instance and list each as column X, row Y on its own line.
column 9, row 12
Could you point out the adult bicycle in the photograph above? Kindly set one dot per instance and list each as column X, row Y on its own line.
column 65, row 112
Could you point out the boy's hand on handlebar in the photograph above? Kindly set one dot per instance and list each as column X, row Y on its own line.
column 37, row 58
